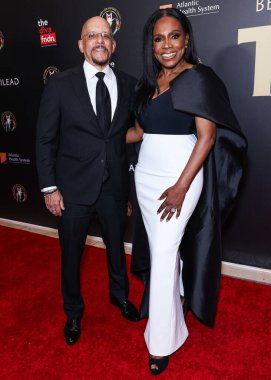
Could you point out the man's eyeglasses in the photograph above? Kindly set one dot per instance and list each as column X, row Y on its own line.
column 94, row 35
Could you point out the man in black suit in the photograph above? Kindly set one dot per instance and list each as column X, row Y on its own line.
column 82, row 166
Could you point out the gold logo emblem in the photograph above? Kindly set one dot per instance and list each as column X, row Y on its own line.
column 112, row 16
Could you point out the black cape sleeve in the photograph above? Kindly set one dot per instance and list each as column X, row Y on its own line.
column 199, row 91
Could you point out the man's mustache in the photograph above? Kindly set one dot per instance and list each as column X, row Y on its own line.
column 100, row 47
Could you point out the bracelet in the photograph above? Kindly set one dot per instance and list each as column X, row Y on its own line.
column 49, row 192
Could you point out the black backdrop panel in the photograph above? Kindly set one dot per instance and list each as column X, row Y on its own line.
column 232, row 36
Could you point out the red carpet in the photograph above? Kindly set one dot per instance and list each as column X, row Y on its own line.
column 32, row 343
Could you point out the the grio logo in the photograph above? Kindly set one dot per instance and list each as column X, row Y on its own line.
column 2, row 41
column 47, row 36
column 112, row 16
column 19, row 193
column 48, row 72
column 8, row 121
column 262, row 36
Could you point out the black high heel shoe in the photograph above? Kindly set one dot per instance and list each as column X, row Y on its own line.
column 161, row 364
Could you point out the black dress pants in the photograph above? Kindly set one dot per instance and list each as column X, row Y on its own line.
column 73, row 229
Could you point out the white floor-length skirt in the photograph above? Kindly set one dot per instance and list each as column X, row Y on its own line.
column 162, row 159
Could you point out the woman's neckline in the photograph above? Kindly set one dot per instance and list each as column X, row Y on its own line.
column 161, row 93
column 177, row 76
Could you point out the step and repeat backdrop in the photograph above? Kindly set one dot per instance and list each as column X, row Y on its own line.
column 38, row 39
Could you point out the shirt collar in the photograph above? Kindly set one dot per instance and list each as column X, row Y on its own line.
column 91, row 70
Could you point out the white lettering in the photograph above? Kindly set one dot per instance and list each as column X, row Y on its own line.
column 185, row 4
column 262, row 77
column 209, row 8
column 261, row 4
column 9, row 82
column 16, row 159
column 47, row 39
column 42, row 23
column 131, row 168
column 189, row 11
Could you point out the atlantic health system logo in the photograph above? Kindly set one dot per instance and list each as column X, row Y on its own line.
column 3, row 158
column 198, row 7
column 112, row 16
column 13, row 158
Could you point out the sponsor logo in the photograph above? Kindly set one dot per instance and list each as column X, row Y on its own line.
column 196, row 8
column 47, row 36
column 8, row 121
column 9, row 82
column 13, row 158
column 51, row 70
column 112, row 16
column 3, row 158
column 262, row 76
column 263, row 5
column 2, row 41
column 19, row 193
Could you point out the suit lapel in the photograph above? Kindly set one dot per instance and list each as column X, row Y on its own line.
column 81, row 90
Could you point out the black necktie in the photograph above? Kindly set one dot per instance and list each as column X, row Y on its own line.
column 103, row 103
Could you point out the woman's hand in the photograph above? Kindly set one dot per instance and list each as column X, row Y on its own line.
column 173, row 201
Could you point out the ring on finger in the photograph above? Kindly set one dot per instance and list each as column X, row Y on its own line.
column 173, row 209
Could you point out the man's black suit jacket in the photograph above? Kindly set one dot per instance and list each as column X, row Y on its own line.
column 72, row 150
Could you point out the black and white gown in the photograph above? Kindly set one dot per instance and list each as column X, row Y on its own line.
column 168, row 141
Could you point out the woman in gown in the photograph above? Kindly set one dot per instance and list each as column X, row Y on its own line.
column 169, row 174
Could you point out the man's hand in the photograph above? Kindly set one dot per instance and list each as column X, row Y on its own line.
column 129, row 208
column 54, row 203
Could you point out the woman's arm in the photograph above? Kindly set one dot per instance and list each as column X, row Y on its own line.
column 174, row 196
column 134, row 134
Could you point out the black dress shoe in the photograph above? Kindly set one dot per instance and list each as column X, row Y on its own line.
column 72, row 330
column 157, row 366
column 127, row 309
